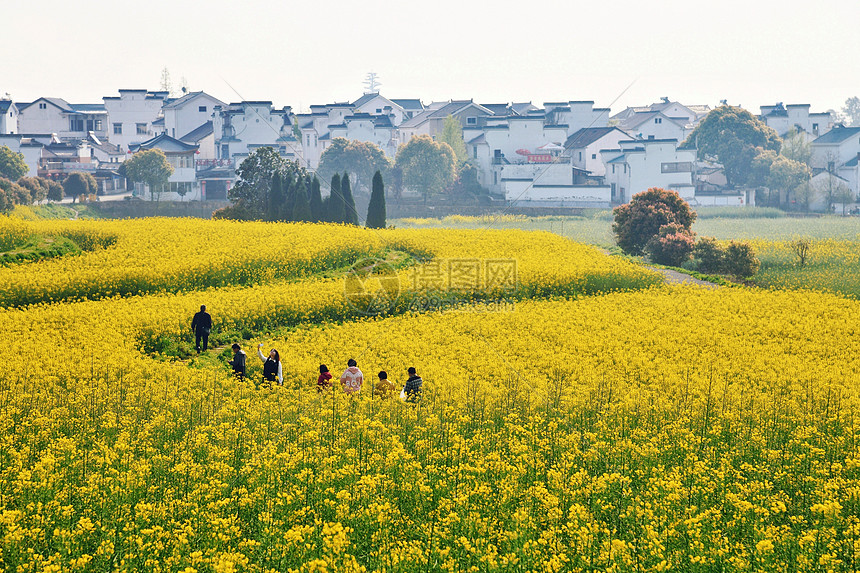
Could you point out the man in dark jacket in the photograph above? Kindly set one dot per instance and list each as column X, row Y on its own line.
column 238, row 362
column 412, row 388
column 202, row 326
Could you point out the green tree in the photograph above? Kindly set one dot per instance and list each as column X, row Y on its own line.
column 427, row 165
column 452, row 134
column 37, row 186
column 797, row 147
column 641, row 219
column 760, row 167
column 302, row 206
column 466, row 187
column 740, row 260
column 733, row 137
column 13, row 194
column 12, row 164
column 787, row 175
column 376, row 214
column 251, row 194
column 843, row 196
column 316, row 203
column 336, row 209
column 55, row 191
column 672, row 245
column 276, row 200
column 350, row 213
column 77, row 184
column 151, row 168
column 359, row 158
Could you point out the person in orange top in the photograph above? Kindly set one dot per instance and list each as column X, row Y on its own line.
column 352, row 378
column 385, row 387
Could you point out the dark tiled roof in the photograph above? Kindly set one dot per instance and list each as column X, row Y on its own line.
column 5, row 104
column 586, row 136
column 837, row 135
column 498, row 108
column 409, row 104
column 367, row 98
column 164, row 141
column 199, row 133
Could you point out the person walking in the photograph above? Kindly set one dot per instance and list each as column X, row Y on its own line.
column 352, row 378
column 201, row 325
column 384, row 388
column 412, row 390
column 272, row 369
column 324, row 379
column 238, row 362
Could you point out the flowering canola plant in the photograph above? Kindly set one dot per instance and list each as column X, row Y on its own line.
column 639, row 430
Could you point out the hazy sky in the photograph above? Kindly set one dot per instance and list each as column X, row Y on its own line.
column 752, row 53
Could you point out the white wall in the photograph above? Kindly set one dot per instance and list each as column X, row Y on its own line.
column 182, row 119
column 129, row 109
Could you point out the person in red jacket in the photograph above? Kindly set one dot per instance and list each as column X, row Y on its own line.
column 324, row 380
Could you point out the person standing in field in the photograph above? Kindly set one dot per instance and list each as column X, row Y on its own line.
column 413, row 387
column 324, row 380
column 238, row 362
column 384, row 388
column 201, row 325
column 352, row 378
column 272, row 370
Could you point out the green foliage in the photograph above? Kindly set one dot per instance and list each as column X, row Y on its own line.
column 37, row 186
column 316, row 202
column 709, row 255
column 276, row 200
column 302, row 205
column 672, row 245
column 55, row 191
column 259, row 195
column 466, row 186
column 13, row 194
column 376, row 212
column 797, row 147
column 727, row 212
column 350, row 213
column 734, row 137
column 37, row 247
column 740, row 260
column 77, row 184
column 452, row 134
column 12, row 164
column 149, row 167
column 427, row 165
column 787, row 174
column 336, row 210
column 359, row 158
column 760, row 167
column 641, row 219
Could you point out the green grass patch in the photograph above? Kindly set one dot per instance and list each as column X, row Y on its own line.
column 833, row 266
column 37, row 248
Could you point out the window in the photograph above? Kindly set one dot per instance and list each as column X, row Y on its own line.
column 43, row 106
column 182, row 187
column 94, row 125
column 117, row 129
column 650, row 137
column 202, row 108
column 676, row 167
column 76, row 124
column 141, row 128
column 379, row 110
column 658, row 120
column 475, row 151
column 472, row 120
column 815, row 128
column 225, row 152
column 594, row 156
column 613, row 168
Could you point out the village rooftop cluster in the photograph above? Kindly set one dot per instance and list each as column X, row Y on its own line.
column 558, row 154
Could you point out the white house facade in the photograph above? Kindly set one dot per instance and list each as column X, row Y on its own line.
column 130, row 116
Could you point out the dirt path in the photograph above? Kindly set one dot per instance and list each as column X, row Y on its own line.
column 674, row 277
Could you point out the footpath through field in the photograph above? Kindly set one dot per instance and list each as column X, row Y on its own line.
column 674, row 277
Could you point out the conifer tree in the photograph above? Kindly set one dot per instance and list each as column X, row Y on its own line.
column 376, row 209
column 275, row 202
column 316, row 202
column 290, row 185
column 302, row 207
column 350, row 213
column 335, row 201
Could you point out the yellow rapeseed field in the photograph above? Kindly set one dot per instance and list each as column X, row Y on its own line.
column 644, row 428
